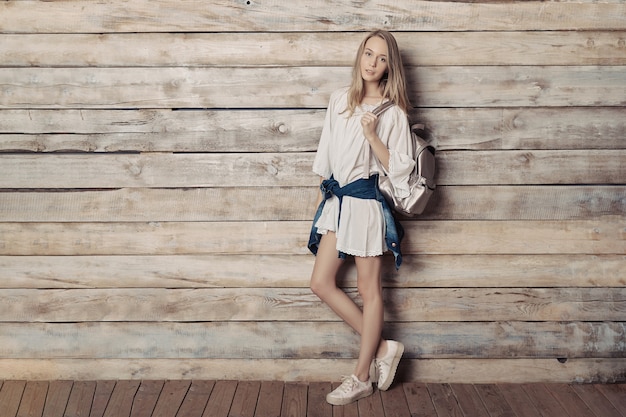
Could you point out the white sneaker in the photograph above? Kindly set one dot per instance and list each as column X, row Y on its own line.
column 350, row 390
column 388, row 364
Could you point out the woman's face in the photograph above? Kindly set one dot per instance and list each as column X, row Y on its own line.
column 374, row 59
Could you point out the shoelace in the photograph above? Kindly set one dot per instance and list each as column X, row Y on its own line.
column 379, row 367
column 347, row 384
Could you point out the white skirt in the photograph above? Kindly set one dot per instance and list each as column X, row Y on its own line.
column 361, row 229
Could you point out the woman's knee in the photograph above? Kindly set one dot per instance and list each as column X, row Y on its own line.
column 369, row 283
column 317, row 286
column 370, row 291
column 326, row 266
column 321, row 284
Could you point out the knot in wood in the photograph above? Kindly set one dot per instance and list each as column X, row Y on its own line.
column 518, row 122
column 280, row 128
column 271, row 169
column 525, row 158
column 134, row 168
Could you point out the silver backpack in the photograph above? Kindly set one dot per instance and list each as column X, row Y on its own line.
column 422, row 179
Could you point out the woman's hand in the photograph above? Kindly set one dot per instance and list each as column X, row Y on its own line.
column 369, row 122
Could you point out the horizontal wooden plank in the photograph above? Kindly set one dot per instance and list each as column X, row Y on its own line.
column 299, row 130
column 524, row 128
column 594, row 237
column 321, row 15
column 308, row 87
column 421, row 370
column 157, row 204
column 531, row 167
column 297, row 203
column 293, row 271
column 161, row 130
column 305, row 49
column 300, row 304
column 306, row 340
column 522, row 202
column 155, row 169
column 161, row 170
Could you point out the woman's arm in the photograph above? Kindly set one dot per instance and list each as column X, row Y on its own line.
column 369, row 122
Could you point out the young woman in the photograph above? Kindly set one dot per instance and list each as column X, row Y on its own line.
column 352, row 217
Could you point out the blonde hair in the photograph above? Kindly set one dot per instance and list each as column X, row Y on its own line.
column 393, row 84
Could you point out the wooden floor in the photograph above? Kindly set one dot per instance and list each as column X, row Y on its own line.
column 279, row 399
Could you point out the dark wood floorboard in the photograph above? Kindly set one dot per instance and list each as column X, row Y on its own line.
column 270, row 399
column 445, row 402
column 11, row 394
column 494, row 400
column 418, row 400
column 521, row 404
column 394, row 402
column 33, row 399
column 146, row 398
column 574, row 406
column 598, row 403
column 469, row 400
column 101, row 398
column 57, row 398
column 171, row 398
column 196, row 399
column 221, row 399
column 294, row 399
column 300, row 399
column 316, row 400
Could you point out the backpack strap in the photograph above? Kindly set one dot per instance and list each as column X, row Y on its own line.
column 421, row 146
column 377, row 112
column 381, row 108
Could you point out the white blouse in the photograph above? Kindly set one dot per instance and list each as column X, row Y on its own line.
column 342, row 152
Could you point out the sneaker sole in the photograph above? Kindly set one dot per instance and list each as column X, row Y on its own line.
column 346, row 401
column 392, row 370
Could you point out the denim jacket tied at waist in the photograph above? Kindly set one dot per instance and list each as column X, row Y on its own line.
column 365, row 189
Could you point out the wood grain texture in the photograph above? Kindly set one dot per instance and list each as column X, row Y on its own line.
column 309, row 87
column 11, row 395
column 322, row 15
column 160, row 170
column 293, row 271
column 308, row 48
column 152, row 130
column 603, row 236
column 400, row 400
column 423, row 370
column 321, row 340
column 242, row 203
column 468, row 304
column 33, row 399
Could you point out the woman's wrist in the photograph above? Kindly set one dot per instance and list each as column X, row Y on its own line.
column 372, row 138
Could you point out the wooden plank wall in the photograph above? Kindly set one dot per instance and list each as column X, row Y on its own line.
column 156, row 190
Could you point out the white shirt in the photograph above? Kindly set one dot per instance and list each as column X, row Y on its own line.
column 342, row 152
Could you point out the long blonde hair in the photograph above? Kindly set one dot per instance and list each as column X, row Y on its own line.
column 393, row 84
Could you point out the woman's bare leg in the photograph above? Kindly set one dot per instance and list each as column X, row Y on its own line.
column 324, row 285
column 370, row 289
